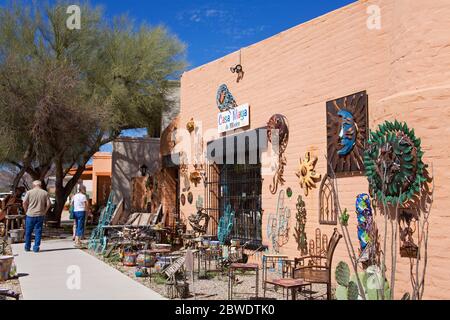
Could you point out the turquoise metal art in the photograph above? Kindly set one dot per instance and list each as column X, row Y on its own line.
column 348, row 132
column 365, row 220
column 278, row 224
column 225, row 225
column 225, row 100
column 98, row 240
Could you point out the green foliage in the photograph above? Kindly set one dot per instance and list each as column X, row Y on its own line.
column 65, row 92
column 342, row 274
column 370, row 279
column 353, row 291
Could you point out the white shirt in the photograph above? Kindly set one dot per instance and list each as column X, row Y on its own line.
column 79, row 202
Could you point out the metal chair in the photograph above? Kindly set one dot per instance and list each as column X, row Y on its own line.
column 317, row 269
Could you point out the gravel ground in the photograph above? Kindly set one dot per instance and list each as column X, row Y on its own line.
column 216, row 287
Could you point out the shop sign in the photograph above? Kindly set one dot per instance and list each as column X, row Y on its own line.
column 234, row 118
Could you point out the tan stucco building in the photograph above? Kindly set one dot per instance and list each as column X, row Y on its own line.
column 403, row 66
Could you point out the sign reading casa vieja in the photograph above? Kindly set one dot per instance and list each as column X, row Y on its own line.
column 231, row 116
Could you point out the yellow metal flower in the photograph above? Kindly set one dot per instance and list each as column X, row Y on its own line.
column 307, row 174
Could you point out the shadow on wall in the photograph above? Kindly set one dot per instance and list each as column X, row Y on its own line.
column 129, row 154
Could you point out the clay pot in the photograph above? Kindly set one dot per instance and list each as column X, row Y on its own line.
column 129, row 259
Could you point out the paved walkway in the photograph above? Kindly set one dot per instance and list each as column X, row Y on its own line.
column 53, row 273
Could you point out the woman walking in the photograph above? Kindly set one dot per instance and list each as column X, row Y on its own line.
column 80, row 210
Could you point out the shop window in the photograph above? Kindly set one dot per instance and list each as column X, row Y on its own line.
column 238, row 186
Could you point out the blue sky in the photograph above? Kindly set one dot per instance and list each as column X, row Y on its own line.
column 212, row 28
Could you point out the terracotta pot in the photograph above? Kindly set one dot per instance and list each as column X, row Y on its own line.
column 129, row 259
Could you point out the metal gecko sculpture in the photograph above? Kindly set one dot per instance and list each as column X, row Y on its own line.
column 225, row 100
column 278, row 125
column 278, row 224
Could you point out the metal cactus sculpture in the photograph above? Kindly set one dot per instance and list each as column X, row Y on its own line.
column 393, row 163
column 278, row 124
column 278, row 224
column 300, row 233
column 225, row 225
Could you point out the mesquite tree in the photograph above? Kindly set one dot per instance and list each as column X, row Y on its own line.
column 64, row 93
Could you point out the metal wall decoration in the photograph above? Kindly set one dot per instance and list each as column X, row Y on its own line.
column 407, row 222
column 300, row 233
column 190, row 198
column 347, row 133
column 328, row 213
column 393, row 162
column 318, row 248
column 289, row 192
column 365, row 225
column 183, row 199
column 225, row 99
column 278, row 224
column 195, row 177
column 307, row 174
column 190, row 126
column 278, row 124
column 184, row 172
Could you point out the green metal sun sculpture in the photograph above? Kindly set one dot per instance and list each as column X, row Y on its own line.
column 393, row 163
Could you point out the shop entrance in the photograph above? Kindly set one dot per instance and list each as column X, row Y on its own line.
column 237, row 185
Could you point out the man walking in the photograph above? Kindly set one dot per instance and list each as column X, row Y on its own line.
column 36, row 204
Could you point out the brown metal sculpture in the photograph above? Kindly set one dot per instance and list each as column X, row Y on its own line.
column 318, row 248
column 328, row 213
column 347, row 133
column 307, row 173
column 278, row 124
column 190, row 126
column 300, row 233
column 407, row 223
column 199, row 222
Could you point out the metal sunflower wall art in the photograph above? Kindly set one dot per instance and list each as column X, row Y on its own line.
column 393, row 162
column 307, row 173
column 347, row 133
column 278, row 125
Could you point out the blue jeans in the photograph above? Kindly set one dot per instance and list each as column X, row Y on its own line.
column 33, row 224
column 79, row 217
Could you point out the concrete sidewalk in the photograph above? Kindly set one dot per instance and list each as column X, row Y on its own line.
column 52, row 275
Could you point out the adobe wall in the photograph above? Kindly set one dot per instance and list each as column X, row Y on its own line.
column 404, row 67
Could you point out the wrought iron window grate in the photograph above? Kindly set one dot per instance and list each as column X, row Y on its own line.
column 240, row 186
